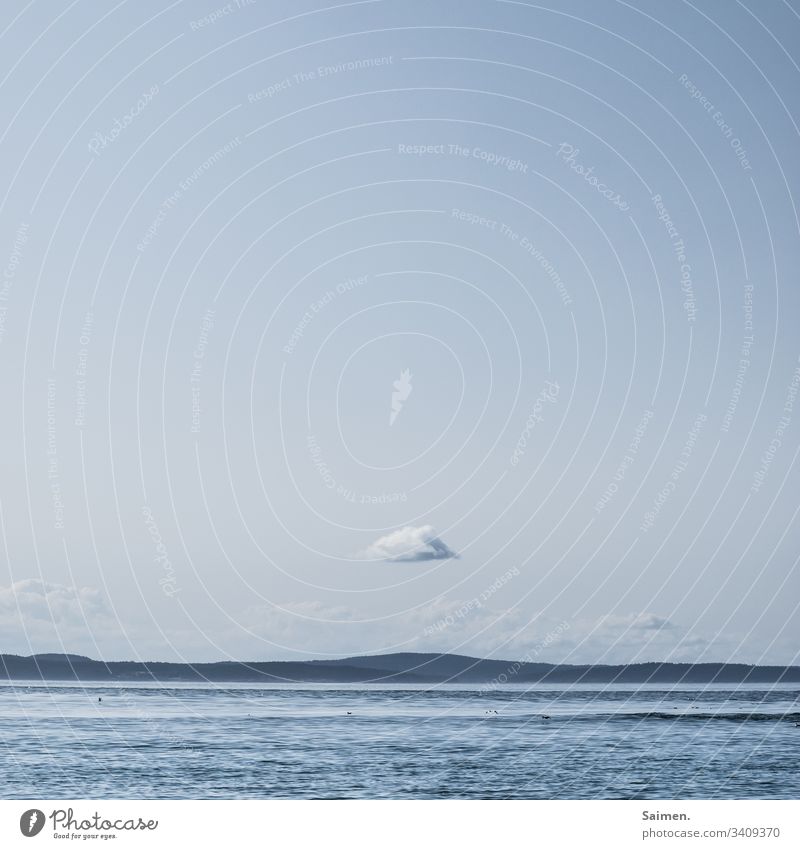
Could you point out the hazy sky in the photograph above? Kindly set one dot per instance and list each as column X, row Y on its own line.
column 400, row 325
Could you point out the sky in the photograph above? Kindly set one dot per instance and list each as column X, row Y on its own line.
column 400, row 326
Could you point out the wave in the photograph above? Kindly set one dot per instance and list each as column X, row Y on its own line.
column 681, row 715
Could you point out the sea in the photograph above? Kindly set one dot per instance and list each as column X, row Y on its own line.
column 206, row 741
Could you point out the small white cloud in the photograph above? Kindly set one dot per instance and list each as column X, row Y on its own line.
column 636, row 622
column 629, row 638
column 37, row 616
column 34, row 600
column 409, row 545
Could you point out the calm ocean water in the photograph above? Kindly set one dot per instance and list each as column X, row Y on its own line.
column 242, row 741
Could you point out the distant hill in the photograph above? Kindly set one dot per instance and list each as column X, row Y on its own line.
column 401, row 668
column 74, row 658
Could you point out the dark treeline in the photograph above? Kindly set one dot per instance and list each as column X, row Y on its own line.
column 408, row 668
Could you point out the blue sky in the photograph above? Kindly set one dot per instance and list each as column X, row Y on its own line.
column 400, row 326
